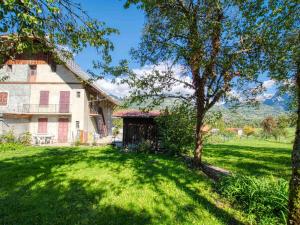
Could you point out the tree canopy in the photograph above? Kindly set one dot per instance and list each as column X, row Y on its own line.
column 206, row 43
column 62, row 25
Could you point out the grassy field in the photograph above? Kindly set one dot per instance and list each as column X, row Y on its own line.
column 100, row 185
column 103, row 186
column 251, row 157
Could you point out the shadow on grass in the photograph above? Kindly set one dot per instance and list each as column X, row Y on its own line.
column 34, row 190
column 256, row 161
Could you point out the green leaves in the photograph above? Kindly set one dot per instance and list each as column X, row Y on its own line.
column 56, row 24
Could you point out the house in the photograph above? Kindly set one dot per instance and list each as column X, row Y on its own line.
column 238, row 131
column 54, row 101
column 138, row 126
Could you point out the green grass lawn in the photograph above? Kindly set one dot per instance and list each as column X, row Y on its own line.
column 103, row 186
column 251, row 157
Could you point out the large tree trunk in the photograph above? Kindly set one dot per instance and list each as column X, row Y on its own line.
column 294, row 196
column 199, row 142
column 199, row 124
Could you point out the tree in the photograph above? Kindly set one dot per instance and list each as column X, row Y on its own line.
column 47, row 25
column 204, row 41
column 248, row 131
column 269, row 125
column 278, row 29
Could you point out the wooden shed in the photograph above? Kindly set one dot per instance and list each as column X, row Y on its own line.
column 139, row 126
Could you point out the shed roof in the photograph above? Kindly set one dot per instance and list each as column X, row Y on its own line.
column 133, row 113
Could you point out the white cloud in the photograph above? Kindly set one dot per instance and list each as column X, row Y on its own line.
column 268, row 83
column 122, row 90
column 116, row 89
column 264, row 96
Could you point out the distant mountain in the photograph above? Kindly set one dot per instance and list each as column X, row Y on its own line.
column 279, row 100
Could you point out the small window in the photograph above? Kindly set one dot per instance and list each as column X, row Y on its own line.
column 32, row 73
column 78, row 94
column 3, row 98
column 9, row 68
column 77, row 124
column 44, row 98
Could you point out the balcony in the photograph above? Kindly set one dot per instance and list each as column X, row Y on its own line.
column 31, row 109
column 94, row 109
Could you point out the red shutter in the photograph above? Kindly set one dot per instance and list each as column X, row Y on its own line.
column 64, row 101
column 3, row 98
column 42, row 129
column 44, row 98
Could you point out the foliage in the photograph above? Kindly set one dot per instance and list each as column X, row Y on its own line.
column 176, row 128
column 50, row 25
column 278, row 26
column 117, row 125
column 266, row 199
column 283, row 121
column 248, row 130
column 206, row 44
column 77, row 142
column 25, row 138
column 145, row 146
column 11, row 146
column 269, row 126
column 275, row 127
column 214, row 119
column 8, row 137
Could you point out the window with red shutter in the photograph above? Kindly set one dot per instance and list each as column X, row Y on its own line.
column 3, row 98
column 42, row 125
column 44, row 98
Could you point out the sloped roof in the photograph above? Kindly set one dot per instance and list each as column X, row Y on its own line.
column 75, row 68
column 133, row 113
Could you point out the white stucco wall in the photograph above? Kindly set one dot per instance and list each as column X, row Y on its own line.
column 54, row 82
column 52, row 125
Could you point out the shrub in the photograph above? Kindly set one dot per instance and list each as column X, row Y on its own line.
column 77, row 142
column 145, row 146
column 176, row 129
column 25, row 138
column 269, row 125
column 248, row 131
column 9, row 137
column 266, row 199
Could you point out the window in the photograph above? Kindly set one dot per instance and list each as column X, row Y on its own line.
column 44, row 98
column 78, row 94
column 9, row 68
column 32, row 73
column 3, row 98
column 77, row 124
column 42, row 125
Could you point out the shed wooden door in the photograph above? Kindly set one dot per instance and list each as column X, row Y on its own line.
column 64, row 102
column 63, row 129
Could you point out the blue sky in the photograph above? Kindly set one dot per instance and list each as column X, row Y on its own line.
column 128, row 21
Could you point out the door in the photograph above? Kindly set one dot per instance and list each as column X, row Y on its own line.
column 64, row 102
column 63, row 129
column 42, row 125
